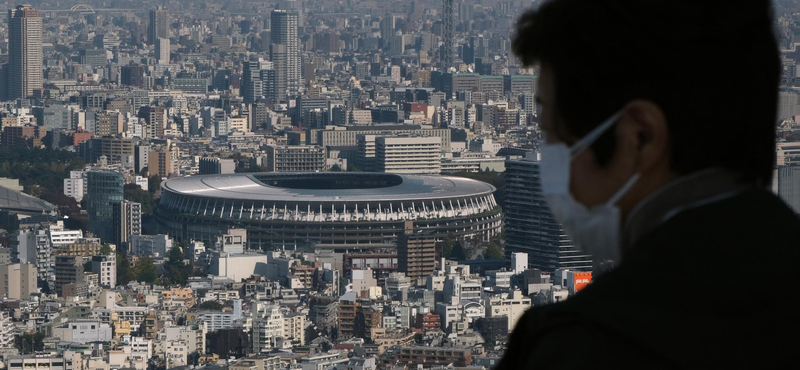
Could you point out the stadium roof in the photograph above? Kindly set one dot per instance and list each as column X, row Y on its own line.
column 17, row 202
column 327, row 187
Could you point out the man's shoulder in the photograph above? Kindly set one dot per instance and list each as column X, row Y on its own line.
column 754, row 207
column 692, row 274
column 550, row 336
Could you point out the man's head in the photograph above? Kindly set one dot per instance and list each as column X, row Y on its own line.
column 696, row 82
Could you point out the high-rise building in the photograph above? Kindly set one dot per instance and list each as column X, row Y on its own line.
column 448, row 34
column 278, row 79
column 284, row 32
column 17, row 281
column 294, row 6
column 531, row 227
column 24, row 52
column 388, row 25
column 105, row 190
column 251, row 75
column 127, row 221
column 158, row 28
column 162, row 50
column 258, row 77
column 416, row 252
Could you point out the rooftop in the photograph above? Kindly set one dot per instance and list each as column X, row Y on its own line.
column 333, row 187
column 15, row 201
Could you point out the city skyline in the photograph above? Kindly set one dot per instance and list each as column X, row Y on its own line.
column 287, row 184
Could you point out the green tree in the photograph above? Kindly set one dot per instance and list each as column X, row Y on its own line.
column 39, row 171
column 106, row 250
column 446, row 246
column 336, row 168
column 493, row 251
column 459, row 252
column 153, row 184
column 67, row 206
column 211, row 306
column 123, row 269
column 134, row 193
column 176, row 270
column 30, row 343
column 145, row 270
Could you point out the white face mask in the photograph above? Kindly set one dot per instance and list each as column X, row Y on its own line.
column 595, row 230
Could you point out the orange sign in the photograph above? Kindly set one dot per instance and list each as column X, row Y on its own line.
column 581, row 280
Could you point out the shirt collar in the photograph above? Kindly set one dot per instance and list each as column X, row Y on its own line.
column 697, row 188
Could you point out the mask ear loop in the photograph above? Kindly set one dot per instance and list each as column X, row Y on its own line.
column 578, row 148
column 624, row 189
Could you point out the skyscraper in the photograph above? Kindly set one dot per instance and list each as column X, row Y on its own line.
column 24, row 67
column 388, row 25
column 278, row 80
column 284, row 32
column 105, row 189
column 448, row 34
column 531, row 227
column 158, row 28
column 295, row 6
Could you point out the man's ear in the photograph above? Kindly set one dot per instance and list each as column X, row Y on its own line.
column 646, row 128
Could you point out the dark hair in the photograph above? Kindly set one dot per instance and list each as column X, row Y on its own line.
column 712, row 66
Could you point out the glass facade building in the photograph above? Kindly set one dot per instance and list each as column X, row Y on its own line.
column 531, row 227
column 105, row 190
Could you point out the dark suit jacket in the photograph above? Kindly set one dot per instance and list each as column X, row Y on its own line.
column 713, row 287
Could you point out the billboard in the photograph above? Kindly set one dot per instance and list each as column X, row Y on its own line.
column 578, row 280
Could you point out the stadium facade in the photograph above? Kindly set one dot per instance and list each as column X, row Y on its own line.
column 333, row 210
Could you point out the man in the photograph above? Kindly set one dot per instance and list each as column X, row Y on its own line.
column 659, row 118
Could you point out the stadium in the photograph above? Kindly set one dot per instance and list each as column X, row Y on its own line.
column 334, row 210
